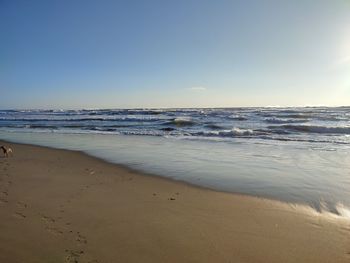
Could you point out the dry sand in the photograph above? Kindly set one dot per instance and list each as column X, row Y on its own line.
column 64, row 206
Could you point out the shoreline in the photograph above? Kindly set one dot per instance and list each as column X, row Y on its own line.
column 153, row 218
column 295, row 177
column 161, row 177
column 301, row 205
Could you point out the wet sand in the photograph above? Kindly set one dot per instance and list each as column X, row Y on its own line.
column 65, row 206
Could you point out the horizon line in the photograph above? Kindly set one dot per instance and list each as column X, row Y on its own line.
column 156, row 108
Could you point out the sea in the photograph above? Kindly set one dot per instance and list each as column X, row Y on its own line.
column 297, row 155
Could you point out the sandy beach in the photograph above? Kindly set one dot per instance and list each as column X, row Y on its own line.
column 65, row 206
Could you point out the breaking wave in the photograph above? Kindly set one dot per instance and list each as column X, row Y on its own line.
column 181, row 122
column 282, row 124
column 313, row 129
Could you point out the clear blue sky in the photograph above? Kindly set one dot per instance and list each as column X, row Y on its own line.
column 180, row 53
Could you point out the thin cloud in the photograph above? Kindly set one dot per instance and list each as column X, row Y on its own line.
column 198, row 88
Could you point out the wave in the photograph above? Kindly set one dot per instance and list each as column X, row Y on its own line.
column 281, row 121
column 296, row 139
column 295, row 124
column 51, row 127
column 181, row 122
column 100, row 119
column 302, row 117
column 313, row 129
column 128, row 112
column 260, row 134
column 332, row 118
column 235, row 132
column 104, row 129
column 237, row 118
column 295, row 116
column 52, row 119
column 213, row 126
column 167, row 129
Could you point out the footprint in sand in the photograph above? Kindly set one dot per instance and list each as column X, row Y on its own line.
column 81, row 239
column 90, row 171
column 47, row 219
column 19, row 215
column 73, row 256
column 61, row 209
column 50, row 225
column 55, row 231
column 21, row 205
column 3, row 200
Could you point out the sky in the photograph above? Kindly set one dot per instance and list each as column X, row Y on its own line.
column 73, row 54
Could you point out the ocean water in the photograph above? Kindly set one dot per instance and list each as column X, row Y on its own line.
column 298, row 155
